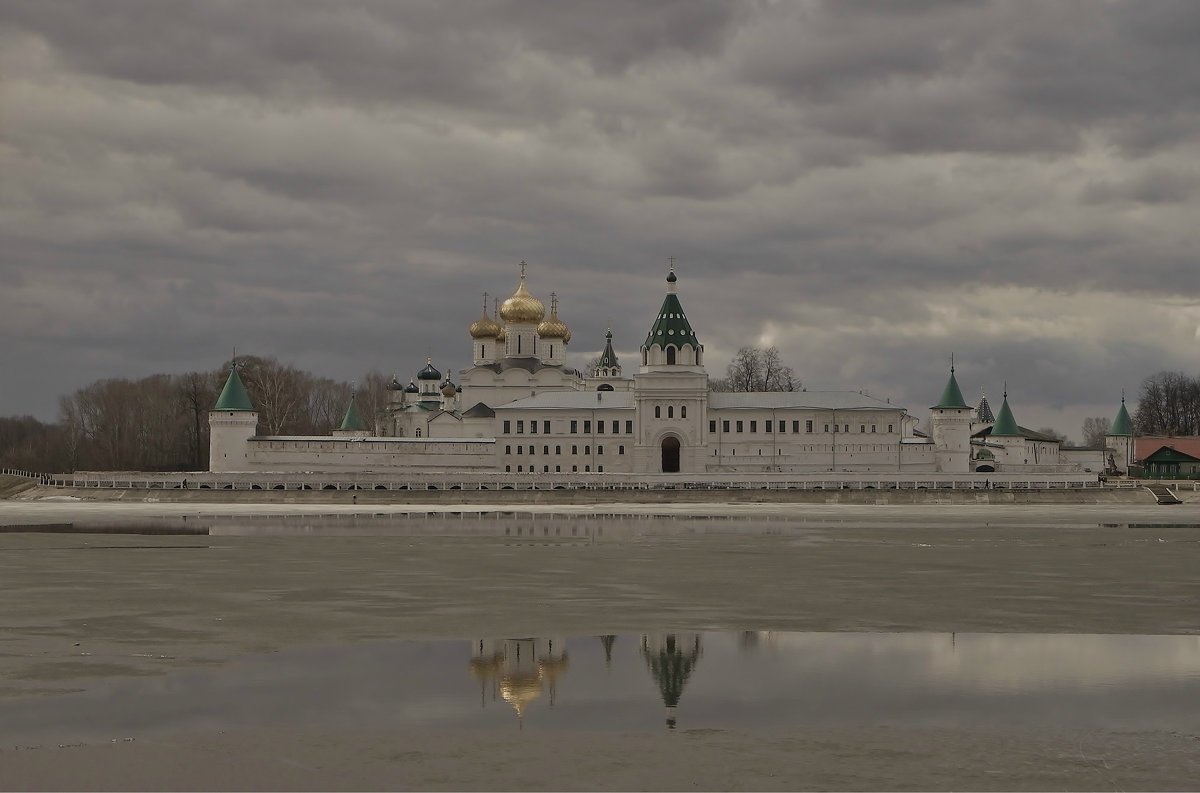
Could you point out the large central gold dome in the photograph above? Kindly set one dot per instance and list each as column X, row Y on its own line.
column 522, row 308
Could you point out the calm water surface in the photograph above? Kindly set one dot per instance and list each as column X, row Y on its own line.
column 645, row 682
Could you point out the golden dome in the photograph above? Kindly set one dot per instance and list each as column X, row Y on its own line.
column 553, row 327
column 502, row 335
column 522, row 307
column 485, row 327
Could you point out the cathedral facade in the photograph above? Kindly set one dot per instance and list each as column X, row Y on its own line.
column 519, row 408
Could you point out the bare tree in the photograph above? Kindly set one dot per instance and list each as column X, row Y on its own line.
column 756, row 369
column 1095, row 430
column 1169, row 404
column 1053, row 433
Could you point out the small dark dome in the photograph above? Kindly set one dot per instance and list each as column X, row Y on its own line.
column 396, row 385
column 429, row 373
column 671, row 277
column 411, row 388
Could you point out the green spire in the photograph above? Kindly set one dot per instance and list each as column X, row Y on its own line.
column 608, row 358
column 1121, row 424
column 952, row 398
column 1006, row 425
column 671, row 325
column 353, row 420
column 233, row 395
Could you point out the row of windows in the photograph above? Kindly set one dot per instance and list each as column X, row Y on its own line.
column 769, row 425
column 508, row 449
column 601, row 427
column 851, row 449
column 557, row 470
column 670, row 411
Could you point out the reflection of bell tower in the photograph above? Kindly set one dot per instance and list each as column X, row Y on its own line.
column 608, row 641
column 671, row 658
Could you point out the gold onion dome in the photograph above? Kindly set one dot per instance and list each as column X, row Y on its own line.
column 485, row 327
column 553, row 327
column 522, row 307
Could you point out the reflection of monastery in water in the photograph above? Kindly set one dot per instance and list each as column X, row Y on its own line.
column 520, row 409
column 520, row 671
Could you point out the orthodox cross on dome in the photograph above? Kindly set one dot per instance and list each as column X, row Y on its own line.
column 523, row 266
column 553, row 302
column 485, row 297
column 671, row 261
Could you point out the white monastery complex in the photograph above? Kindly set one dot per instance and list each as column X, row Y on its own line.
column 519, row 409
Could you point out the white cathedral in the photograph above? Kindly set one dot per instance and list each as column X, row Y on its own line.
column 520, row 409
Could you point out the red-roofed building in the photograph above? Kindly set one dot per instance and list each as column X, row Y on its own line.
column 1144, row 447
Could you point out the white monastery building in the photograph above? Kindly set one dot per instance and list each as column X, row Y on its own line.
column 520, row 409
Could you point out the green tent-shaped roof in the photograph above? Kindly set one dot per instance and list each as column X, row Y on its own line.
column 952, row 398
column 233, row 395
column 608, row 358
column 353, row 420
column 1121, row 424
column 671, row 325
column 1006, row 425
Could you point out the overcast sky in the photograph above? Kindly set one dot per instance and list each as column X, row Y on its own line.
column 869, row 186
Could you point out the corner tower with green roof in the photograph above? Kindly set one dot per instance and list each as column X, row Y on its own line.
column 353, row 425
column 232, row 422
column 950, row 429
column 1119, row 455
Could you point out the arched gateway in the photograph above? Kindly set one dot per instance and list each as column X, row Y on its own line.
column 670, row 455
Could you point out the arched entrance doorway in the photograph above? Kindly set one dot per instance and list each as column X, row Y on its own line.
column 670, row 455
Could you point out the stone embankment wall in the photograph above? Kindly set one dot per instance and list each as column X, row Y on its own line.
column 1096, row 495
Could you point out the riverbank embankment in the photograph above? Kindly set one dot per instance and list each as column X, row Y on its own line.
column 1095, row 495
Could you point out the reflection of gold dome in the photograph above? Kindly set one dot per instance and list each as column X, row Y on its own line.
column 520, row 689
column 553, row 327
column 522, row 307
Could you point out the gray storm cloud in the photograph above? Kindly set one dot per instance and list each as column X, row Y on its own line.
column 869, row 186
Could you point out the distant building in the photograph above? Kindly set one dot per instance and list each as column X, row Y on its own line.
column 519, row 408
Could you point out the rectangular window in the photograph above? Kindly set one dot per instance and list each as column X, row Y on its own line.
column 558, row 450
column 558, row 469
column 507, row 426
column 587, row 427
column 890, row 428
column 508, row 449
column 533, row 427
column 712, row 425
column 845, row 428
column 546, row 427
column 519, row 449
column 872, row 429
column 545, row 450
column 587, row 450
column 739, row 426
column 620, row 450
column 574, row 449
column 796, row 426
column 599, row 449
column 520, row 427
column 725, row 425
column 808, row 426
column 827, row 428
column 600, row 427
column 782, row 427
column 574, row 426
column 754, row 426
column 769, row 425
column 629, row 428
column 862, row 427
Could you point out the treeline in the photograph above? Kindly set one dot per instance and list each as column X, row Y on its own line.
column 1168, row 404
column 160, row 423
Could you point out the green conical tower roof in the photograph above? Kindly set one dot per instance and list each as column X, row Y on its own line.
column 1006, row 425
column 952, row 398
column 1121, row 424
column 233, row 395
column 608, row 358
column 672, row 324
column 353, row 420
